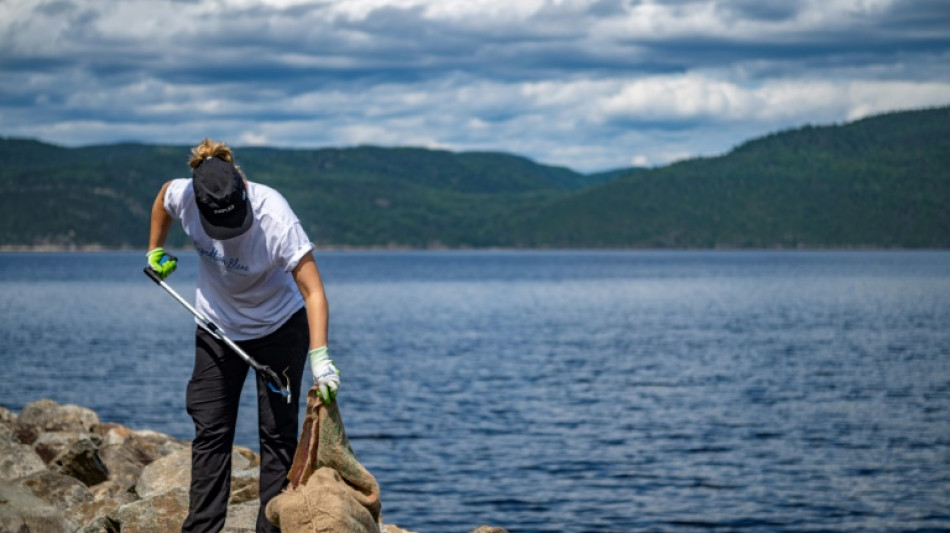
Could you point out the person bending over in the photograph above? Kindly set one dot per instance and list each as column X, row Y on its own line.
column 259, row 283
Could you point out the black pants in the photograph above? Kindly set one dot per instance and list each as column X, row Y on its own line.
column 212, row 399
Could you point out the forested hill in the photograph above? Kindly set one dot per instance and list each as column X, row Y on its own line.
column 366, row 196
column 879, row 182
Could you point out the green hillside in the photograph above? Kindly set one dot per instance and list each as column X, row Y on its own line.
column 365, row 196
column 879, row 182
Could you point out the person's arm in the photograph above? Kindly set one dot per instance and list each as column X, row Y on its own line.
column 325, row 374
column 161, row 220
column 161, row 223
column 308, row 281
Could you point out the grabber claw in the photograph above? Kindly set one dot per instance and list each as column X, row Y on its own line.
column 271, row 378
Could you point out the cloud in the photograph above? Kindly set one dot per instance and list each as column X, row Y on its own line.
column 585, row 83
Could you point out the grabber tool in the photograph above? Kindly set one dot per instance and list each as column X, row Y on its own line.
column 270, row 377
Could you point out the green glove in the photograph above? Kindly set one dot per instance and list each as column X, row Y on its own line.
column 325, row 374
column 162, row 263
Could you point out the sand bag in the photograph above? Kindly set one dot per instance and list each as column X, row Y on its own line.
column 329, row 490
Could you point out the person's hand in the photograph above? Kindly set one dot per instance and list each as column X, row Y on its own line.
column 325, row 374
column 162, row 263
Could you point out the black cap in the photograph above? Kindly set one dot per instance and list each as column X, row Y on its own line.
column 222, row 199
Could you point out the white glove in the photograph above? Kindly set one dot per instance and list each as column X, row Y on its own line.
column 325, row 374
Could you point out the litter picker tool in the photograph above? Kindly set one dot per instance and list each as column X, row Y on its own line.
column 270, row 377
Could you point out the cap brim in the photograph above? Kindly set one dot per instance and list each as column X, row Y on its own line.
column 222, row 233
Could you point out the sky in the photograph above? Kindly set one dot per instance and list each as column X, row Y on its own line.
column 587, row 84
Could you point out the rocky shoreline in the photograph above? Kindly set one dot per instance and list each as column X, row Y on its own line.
column 62, row 470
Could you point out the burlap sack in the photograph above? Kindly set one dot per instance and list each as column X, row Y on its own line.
column 329, row 490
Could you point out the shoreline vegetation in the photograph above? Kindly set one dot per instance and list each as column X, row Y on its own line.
column 882, row 182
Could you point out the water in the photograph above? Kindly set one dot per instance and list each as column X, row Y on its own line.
column 565, row 391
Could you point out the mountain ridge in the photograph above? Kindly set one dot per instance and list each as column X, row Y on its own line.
column 882, row 181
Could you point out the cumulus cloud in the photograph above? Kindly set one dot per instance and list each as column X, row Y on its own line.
column 589, row 84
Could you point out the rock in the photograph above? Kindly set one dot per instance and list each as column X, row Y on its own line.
column 165, row 511
column 97, row 474
column 49, row 444
column 46, row 415
column 113, row 490
column 57, row 490
column 18, row 460
column 98, row 525
column 245, row 486
column 164, row 474
column 113, row 434
column 22, row 512
column 7, row 433
column 94, row 515
column 7, row 417
column 151, row 445
column 124, row 466
column 81, row 461
column 175, row 471
column 127, row 452
column 242, row 518
column 146, row 446
column 7, row 423
column 244, row 458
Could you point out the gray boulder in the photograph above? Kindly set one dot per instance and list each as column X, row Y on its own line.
column 145, row 445
column 18, row 460
column 81, row 461
column 46, row 415
column 244, row 458
column 165, row 474
column 124, row 467
column 175, row 471
column 7, row 433
column 58, row 490
column 126, row 452
column 93, row 515
column 242, row 518
column 108, row 478
column 164, row 511
column 245, row 485
column 7, row 423
column 99, row 525
column 22, row 512
column 113, row 489
column 50, row 444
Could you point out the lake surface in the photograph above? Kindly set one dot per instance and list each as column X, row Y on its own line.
column 564, row 391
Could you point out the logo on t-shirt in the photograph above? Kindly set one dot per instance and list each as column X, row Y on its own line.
column 229, row 263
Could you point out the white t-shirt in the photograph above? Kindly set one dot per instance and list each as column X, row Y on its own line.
column 245, row 284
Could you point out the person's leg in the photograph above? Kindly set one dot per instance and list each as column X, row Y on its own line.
column 214, row 393
column 285, row 350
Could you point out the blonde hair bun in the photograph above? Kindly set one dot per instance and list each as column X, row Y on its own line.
column 209, row 148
